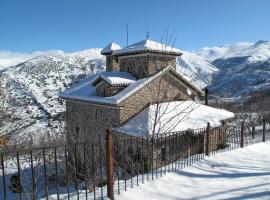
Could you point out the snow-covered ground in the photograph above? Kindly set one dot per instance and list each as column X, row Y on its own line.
column 239, row 174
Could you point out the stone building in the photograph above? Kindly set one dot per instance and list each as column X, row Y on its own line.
column 138, row 77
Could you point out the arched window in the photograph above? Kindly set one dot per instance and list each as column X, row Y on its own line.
column 163, row 153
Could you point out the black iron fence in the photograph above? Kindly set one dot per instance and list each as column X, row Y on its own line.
column 97, row 170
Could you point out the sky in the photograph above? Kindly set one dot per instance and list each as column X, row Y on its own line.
column 72, row 25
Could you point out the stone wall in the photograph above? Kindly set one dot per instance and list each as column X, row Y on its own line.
column 85, row 121
column 105, row 90
column 112, row 63
column 145, row 65
column 161, row 89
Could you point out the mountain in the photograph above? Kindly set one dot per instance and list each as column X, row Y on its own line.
column 243, row 68
column 33, row 87
column 196, row 69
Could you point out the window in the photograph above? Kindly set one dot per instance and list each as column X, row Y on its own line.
column 96, row 113
column 163, row 154
column 77, row 131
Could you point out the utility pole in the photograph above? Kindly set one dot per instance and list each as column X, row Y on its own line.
column 127, row 33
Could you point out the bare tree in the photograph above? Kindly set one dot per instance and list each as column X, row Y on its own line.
column 163, row 90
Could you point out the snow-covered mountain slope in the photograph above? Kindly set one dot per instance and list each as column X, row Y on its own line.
column 244, row 72
column 196, row 69
column 213, row 53
column 34, row 85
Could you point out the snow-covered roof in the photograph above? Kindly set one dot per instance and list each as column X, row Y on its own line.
column 82, row 89
column 117, row 78
column 147, row 46
column 174, row 117
column 110, row 48
column 78, row 93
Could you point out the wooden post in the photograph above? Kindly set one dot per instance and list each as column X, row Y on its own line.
column 242, row 135
column 263, row 130
column 206, row 91
column 109, row 149
column 207, row 140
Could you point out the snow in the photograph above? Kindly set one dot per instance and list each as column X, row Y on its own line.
column 213, row 53
column 194, row 68
column 147, row 45
column 116, row 77
column 33, row 89
column 84, row 88
column 239, row 174
column 243, row 64
column 173, row 117
column 116, row 99
column 110, row 48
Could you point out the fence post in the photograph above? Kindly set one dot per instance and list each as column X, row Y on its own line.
column 207, row 140
column 109, row 149
column 263, row 130
column 242, row 135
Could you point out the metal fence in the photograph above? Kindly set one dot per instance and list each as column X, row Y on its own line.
column 97, row 170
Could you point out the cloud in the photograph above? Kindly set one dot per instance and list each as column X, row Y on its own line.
column 8, row 58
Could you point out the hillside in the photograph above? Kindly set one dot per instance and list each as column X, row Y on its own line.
column 33, row 86
column 243, row 68
column 196, row 69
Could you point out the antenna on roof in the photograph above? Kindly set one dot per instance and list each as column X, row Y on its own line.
column 147, row 35
column 127, row 33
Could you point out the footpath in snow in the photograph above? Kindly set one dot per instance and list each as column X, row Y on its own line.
column 239, row 174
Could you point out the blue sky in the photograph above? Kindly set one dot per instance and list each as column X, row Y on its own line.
column 71, row 25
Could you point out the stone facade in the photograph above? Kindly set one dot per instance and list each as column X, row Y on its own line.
column 159, row 90
column 105, row 90
column 112, row 63
column 86, row 121
column 145, row 65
